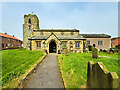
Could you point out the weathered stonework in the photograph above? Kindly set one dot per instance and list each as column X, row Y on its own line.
column 99, row 77
column 65, row 40
column 28, row 27
column 94, row 52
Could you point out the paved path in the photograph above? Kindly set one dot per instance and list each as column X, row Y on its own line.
column 47, row 74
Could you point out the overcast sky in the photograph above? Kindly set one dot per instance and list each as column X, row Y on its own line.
column 88, row 17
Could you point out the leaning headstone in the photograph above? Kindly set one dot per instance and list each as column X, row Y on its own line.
column 98, row 76
column 94, row 53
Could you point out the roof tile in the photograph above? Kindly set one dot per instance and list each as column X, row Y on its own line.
column 8, row 36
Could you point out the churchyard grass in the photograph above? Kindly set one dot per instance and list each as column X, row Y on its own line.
column 16, row 63
column 73, row 67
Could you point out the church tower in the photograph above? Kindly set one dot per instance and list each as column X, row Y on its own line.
column 31, row 22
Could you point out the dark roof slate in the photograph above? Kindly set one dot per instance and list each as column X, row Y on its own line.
column 63, row 30
column 95, row 35
column 70, row 37
column 59, row 37
column 41, row 37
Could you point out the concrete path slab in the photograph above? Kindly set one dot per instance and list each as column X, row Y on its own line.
column 47, row 74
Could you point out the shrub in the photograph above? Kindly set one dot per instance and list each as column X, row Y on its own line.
column 101, row 50
column 111, row 51
column 104, row 50
column 90, row 48
column 116, row 50
column 118, row 47
column 94, row 53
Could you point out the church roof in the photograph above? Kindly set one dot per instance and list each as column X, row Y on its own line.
column 95, row 35
column 71, row 37
column 62, row 37
column 63, row 30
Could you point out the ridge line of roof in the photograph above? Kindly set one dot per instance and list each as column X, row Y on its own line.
column 95, row 35
column 6, row 35
column 55, row 29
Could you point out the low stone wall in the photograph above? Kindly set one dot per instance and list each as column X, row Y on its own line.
column 99, row 77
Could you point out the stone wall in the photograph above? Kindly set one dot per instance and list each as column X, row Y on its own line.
column 28, row 28
column 99, row 77
column 69, row 47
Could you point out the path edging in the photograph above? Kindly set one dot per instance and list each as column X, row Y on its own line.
column 20, row 85
column 61, row 71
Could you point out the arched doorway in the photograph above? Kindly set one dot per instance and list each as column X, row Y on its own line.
column 52, row 47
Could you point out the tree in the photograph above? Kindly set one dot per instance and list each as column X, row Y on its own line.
column 118, row 46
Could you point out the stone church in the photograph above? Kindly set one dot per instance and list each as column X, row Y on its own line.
column 51, row 40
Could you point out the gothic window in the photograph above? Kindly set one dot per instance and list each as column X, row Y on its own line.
column 77, row 44
column 29, row 21
column 100, row 42
column 38, row 44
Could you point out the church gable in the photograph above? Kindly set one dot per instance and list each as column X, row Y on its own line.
column 52, row 37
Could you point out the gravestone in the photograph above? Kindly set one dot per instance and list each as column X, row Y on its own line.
column 20, row 48
column 98, row 77
column 94, row 52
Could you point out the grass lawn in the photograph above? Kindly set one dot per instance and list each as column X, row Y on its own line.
column 16, row 64
column 74, row 67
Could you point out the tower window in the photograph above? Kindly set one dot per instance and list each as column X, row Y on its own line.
column 29, row 21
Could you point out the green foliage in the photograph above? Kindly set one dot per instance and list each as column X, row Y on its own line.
column 90, row 48
column 16, row 62
column 118, row 46
column 94, row 53
column 74, row 67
